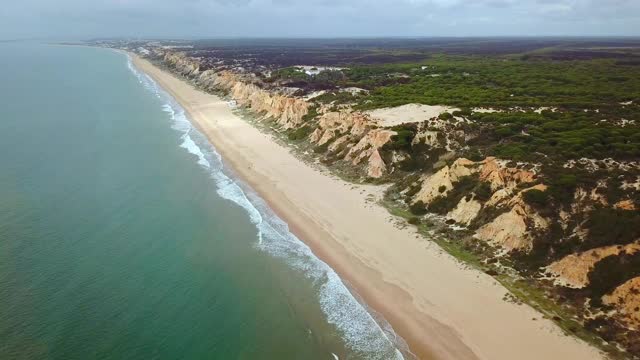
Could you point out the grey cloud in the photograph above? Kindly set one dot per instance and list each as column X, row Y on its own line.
column 209, row 18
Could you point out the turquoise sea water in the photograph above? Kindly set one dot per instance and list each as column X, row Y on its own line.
column 122, row 235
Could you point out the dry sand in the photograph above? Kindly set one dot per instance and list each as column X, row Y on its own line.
column 408, row 113
column 442, row 309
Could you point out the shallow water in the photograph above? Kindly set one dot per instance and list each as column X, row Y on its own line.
column 122, row 234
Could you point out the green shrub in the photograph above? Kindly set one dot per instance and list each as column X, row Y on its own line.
column 290, row 73
column 445, row 116
column 611, row 272
column 321, row 148
column 311, row 114
column 413, row 190
column 483, row 191
column 562, row 187
column 474, row 155
column 442, row 204
column 463, row 112
column 418, row 208
column 536, row 198
column 300, row 133
column 609, row 226
column 403, row 138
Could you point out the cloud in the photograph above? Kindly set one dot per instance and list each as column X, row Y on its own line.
column 210, row 18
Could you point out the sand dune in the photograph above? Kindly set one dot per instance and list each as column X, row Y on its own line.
column 408, row 113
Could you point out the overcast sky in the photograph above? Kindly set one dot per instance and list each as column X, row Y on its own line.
column 317, row 18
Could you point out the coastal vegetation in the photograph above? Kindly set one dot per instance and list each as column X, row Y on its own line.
column 499, row 82
column 566, row 109
column 532, row 161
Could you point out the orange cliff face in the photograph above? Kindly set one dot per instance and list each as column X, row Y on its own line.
column 286, row 111
column 352, row 135
column 626, row 300
column 182, row 64
column 573, row 270
column 512, row 229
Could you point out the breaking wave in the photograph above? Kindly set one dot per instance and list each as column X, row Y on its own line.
column 369, row 337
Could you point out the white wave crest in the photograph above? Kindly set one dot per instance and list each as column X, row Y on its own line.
column 361, row 332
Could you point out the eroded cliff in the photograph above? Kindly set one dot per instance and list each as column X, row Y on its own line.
column 548, row 226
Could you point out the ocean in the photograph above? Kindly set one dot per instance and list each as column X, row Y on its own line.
column 123, row 235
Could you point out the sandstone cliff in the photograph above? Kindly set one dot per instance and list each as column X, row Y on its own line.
column 626, row 300
column 512, row 229
column 440, row 183
column 354, row 132
column 573, row 270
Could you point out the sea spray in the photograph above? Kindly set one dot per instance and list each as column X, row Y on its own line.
column 360, row 330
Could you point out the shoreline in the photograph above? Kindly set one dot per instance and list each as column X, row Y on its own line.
column 421, row 291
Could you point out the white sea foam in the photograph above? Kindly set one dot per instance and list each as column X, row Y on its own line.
column 361, row 332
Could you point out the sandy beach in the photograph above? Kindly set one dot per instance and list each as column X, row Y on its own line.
column 441, row 308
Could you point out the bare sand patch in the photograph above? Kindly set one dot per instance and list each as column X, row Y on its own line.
column 408, row 113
